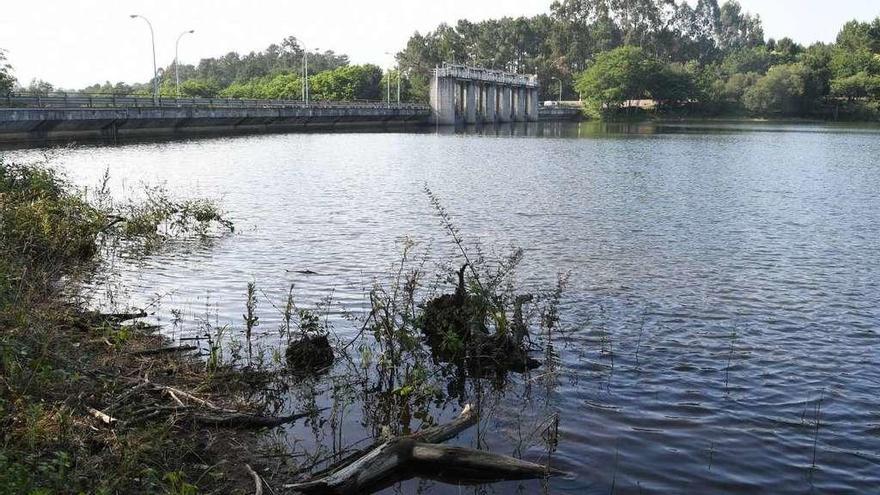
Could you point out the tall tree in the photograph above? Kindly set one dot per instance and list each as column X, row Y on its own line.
column 617, row 76
column 7, row 81
column 738, row 29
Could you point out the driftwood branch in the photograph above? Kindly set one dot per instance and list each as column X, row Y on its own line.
column 243, row 420
column 419, row 454
column 103, row 417
column 468, row 466
column 258, row 482
column 97, row 318
column 164, row 350
column 205, row 412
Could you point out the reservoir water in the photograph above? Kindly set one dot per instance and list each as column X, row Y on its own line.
column 723, row 307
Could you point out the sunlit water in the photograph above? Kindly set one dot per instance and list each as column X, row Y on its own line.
column 723, row 291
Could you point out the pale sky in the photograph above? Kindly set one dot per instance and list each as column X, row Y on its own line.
column 74, row 43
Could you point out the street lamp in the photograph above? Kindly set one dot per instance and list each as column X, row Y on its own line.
column 398, row 79
column 176, row 63
column 305, row 74
column 155, row 72
column 559, row 101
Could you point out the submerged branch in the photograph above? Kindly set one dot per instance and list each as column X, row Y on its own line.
column 403, row 457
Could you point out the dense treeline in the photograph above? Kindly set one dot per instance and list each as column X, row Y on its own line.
column 275, row 72
column 778, row 78
column 561, row 45
column 7, row 81
column 709, row 58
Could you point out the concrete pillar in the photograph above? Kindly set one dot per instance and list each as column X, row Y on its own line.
column 532, row 108
column 459, row 100
column 443, row 100
column 491, row 103
column 504, row 101
column 519, row 114
column 480, row 100
column 470, row 103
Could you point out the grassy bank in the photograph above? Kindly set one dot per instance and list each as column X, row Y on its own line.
column 87, row 400
column 99, row 403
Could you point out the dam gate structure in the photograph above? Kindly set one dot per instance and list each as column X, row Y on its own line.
column 473, row 95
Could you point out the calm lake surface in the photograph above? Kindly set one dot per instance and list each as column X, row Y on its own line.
column 724, row 289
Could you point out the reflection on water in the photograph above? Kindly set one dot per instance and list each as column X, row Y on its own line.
column 724, row 279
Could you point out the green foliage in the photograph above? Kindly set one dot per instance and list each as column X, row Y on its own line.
column 40, row 87
column 160, row 216
column 177, row 484
column 616, row 76
column 7, row 81
column 674, row 83
column 778, row 78
column 120, row 88
column 563, row 44
column 49, row 228
column 855, row 36
column 845, row 63
column 785, row 50
column 390, row 81
column 861, row 85
column 354, row 82
column 199, row 88
column 277, row 87
column 41, row 222
column 756, row 59
column 779, row 92
column 737, row 84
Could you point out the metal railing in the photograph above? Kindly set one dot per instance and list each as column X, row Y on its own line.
column 486, row 75
column 99, row 100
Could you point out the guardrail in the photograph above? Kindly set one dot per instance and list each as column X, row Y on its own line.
column 485, row 75
column 93, row 100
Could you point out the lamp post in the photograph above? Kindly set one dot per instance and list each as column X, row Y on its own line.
column 398, row 78
column 155, row 73
column 559, row 100
column 305, row 74
column 176, row 60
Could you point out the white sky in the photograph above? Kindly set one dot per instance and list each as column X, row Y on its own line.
column 74, row 43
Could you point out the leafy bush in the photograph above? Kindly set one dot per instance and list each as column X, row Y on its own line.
column 48, row 228
column 278, row 87
column 779, row 92
column 617, row 76
column 354, row 82
column 861, row 85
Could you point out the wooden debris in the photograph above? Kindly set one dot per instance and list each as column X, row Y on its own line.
column 104, row 418
column 244, row 420
column 258, row 482
column 204, row 412
column 419, row 454
column 164, row 350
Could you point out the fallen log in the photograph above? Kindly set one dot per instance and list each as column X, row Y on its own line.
column 98, row 318
column 101, row 416
column 435, row 434
column 214, row 416
column 462, row 465
column 244, row 420
column 258, row 482
column 419, row 455
column 164, row 350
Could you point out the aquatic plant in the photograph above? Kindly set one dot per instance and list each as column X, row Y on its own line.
column 59, row 362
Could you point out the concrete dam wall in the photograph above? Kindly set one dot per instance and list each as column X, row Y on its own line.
column 112, row 124
column 28, row 119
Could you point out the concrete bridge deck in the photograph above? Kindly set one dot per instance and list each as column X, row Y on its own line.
column 31, row 118
column 475, row 95
column 111, row 118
